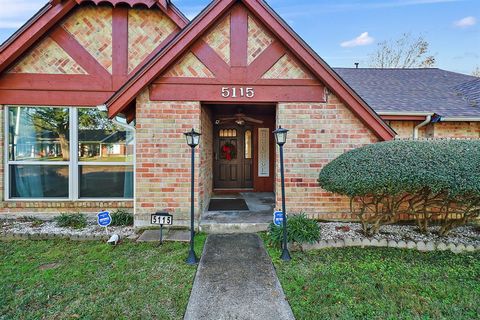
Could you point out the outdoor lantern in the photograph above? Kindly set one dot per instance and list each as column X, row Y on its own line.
column 280, row 135
column 193, row 138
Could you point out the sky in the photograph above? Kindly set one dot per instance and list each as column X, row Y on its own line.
column 343, row 32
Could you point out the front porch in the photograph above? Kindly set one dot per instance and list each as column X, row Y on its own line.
column 257, row 218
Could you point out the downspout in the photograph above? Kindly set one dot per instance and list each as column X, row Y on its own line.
column 428, row 119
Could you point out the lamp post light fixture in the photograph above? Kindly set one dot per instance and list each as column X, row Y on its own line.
column 193, row 139
column 281, row 138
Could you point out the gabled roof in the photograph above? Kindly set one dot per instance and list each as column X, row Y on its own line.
column 153, row 69
column 54, row 11
column 427, row 90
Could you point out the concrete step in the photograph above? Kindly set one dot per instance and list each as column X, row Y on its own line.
column 216, row 228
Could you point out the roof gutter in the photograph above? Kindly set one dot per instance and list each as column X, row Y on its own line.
column 403, row 113
column 460, row 119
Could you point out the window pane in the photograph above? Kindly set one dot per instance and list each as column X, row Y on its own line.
column 100, row 140
column 38, row 181
column 106, row 181
column 248, row 144
column 38, row 133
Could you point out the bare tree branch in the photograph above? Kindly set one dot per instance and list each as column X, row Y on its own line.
column 405, row 52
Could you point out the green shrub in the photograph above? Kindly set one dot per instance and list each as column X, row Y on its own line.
column 122, row 218
column 71, row 220
column 428, row 180
column 300, row 230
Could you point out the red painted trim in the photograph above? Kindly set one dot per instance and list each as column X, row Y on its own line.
column 176, row 15
column 238, row 37
column 296, row 45
column 36, row 29
column 131, row 3
column 211, row 60
column 185, row 80
column 54, row 98
column 54, row 82
column 119, row 45
column 170, row 54
column 79, row 53
column 265, row 61
column 403, row 118
column 33, row 31
column 212, row 93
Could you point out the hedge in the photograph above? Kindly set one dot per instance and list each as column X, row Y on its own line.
column 437, row 180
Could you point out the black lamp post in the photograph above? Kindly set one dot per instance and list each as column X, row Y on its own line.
column 193, row 139
column 281, row 138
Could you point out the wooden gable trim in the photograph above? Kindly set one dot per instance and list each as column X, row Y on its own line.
column 98, row 84
column 33, row 30
column 189, row 35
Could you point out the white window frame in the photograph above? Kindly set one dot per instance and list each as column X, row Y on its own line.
column 73, row 164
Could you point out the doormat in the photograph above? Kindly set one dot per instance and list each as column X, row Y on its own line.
column 227, row 205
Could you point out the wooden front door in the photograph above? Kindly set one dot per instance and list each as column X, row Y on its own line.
column 233, row 154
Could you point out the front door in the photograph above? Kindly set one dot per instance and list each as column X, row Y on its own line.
column 233, row 153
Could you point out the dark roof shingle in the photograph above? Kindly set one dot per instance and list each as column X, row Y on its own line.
column 432, row 90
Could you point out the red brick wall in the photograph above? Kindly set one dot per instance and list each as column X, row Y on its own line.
column 48, row 208
column 319, row 132
column 163, row 158
column 206, row 157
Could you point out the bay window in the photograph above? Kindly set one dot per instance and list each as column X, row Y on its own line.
column 67, row 153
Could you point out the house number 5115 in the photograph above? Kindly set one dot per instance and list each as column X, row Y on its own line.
column 238, row 92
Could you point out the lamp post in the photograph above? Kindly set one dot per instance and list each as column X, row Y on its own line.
column 281, row 138
column 193, row 139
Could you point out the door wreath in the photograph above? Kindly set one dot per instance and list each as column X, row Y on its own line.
column 228, row 151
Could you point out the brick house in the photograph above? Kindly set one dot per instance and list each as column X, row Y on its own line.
column 235, row 73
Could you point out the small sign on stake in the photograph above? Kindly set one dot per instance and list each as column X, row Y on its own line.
column 161, row 218
column 104, row 219
column 278, row 218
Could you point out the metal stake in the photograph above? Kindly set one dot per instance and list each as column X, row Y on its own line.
column 285, row 254
column 192, row 258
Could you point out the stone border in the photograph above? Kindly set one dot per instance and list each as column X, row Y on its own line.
column 8, row 235
column 364, row 242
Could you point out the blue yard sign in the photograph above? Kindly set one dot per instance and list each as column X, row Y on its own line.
column 278, row 218
column 104, row 219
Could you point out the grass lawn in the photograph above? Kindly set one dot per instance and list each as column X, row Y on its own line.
column 92, row 280
column 381, row 283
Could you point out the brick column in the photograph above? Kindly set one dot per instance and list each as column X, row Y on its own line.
column 163, row 159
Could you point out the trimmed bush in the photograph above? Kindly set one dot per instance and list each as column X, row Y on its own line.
column 71, row 220
column 122, row 218
column 428, row 180
column 301, row 229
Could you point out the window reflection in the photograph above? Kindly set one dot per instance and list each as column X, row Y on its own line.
column 38, row 133
column 101, row 140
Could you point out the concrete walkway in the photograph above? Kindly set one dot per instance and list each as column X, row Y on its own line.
column 236, row 280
